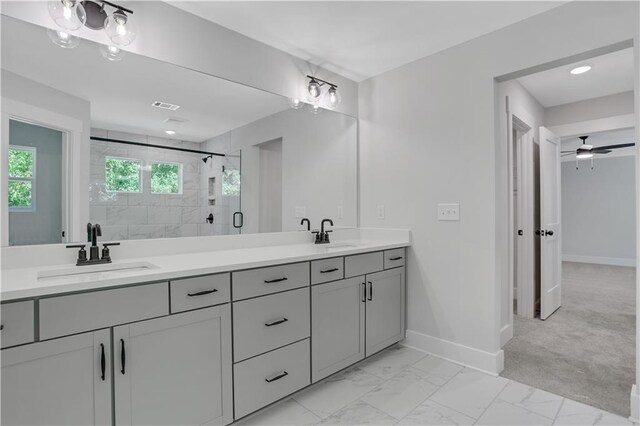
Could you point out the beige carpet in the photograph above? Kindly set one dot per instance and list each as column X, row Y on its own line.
column 586, row 350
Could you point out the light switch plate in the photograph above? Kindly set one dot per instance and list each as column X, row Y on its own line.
column 301, row 211
column 380, row 211
column 449, row 211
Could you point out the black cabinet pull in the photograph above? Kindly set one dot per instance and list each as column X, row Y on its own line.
column 278, row 377
column 277, row 280
column 395, row 258
column 1, row 327
column 123, row 356
column 280, row 321
column 326, row 271
column 370, row 291
column 364, row 292
column 103, row 362
column 202, row 293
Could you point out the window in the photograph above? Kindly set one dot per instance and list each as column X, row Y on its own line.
column 230, row 182
column 22, row 178
column 166, row 178
column 122, row 175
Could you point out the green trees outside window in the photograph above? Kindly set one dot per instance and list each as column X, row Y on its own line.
column 22, row 173
column 165, row 178
column 122, row 175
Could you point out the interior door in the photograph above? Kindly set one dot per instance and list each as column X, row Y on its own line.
column 174, row 370
column 551, row 231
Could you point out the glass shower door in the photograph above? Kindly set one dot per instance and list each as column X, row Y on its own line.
column 233, row 218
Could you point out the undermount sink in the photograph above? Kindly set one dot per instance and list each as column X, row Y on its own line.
column 111, row 268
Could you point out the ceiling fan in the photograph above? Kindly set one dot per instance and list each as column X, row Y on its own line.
column 585, row 151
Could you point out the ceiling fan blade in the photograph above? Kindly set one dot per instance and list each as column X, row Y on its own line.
column 601, row 151
column 621, row 145
column 566, row 152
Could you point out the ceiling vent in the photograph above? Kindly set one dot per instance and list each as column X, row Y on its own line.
column 165, row 105
column 175, row 121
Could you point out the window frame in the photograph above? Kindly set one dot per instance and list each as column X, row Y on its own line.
column 140, row 165
column 180, row 177
column 32, row 179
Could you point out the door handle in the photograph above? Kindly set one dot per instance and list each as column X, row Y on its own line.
column 549, row 233
column 103, row 362
column 278, row 377
column 280, row 321
column 202, row 293
column 123, row 356
column 370, row 291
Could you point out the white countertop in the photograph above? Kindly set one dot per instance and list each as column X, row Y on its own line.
column 21, row 283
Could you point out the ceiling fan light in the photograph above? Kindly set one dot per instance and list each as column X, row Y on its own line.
column 584, row 155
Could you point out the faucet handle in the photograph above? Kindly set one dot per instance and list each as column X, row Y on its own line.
column 82, row 253
column 106, row 255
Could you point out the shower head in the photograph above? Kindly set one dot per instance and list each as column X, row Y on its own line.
column 205, row 159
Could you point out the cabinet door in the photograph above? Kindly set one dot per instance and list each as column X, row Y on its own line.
column 174, row 370
column 385, row 309
column 338, row 325
column 58, row 382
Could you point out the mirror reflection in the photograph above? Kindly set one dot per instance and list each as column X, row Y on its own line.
column 149, row 149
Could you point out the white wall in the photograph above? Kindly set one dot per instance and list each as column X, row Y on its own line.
column 319, row 165
column 175, row 36
column 590, row 109
column 599, row 211
column 432, row 126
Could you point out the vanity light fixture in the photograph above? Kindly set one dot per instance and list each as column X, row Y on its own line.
column 72, row 15
column 295, row 103
column 580, row 70
column 315, row 109
column 63, row 38
column 317, row 97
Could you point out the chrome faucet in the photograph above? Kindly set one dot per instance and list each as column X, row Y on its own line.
column 93, row 232
column 322, row 236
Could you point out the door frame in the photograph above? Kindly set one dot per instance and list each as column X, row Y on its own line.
column 72, row 129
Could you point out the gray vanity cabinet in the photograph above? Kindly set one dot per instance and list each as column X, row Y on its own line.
column 338, row 326
column 385, row 309
column 65, row 381
column 174, row 370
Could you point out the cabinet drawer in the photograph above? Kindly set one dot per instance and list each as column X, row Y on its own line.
column 326, row 270
column 198, row 292
column 76, row 313
column 362, row 264
column 17, row 323
column 258, row 282
column 264, row 379
column 268, row 322
column 394, row 258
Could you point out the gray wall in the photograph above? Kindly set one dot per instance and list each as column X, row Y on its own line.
column 598, row 211
column 44, row 224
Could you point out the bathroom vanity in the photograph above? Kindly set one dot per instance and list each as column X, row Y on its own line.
column 161, row 345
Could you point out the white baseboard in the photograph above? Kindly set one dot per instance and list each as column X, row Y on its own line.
column 615, row 261
column 506, row 334
column 492, row 363
column 635, row 405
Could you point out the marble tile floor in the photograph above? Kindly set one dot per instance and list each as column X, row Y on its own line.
column 402, row 386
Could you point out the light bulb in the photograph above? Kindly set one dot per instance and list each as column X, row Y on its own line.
column 315, row 109
column 295, row 103
column 584, row 155
column 120, row 29
column 63, row 39
column 333, row 97
column 112, row 53
column 67, row 14
column 314, row 90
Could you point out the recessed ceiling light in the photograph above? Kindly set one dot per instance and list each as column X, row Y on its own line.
column 580, row 70
column 170, row 132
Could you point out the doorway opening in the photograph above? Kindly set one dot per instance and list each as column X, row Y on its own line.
column 568, row 323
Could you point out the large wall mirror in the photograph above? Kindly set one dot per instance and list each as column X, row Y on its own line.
column 149, row 149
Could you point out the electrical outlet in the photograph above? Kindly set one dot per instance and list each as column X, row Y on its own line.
column 380, row 211
column 301, row 211
column 340, row 214
column 449, row 212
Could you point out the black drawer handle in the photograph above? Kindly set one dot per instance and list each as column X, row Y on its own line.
column 395, row 258
column 202, row 293
column 123, row 356
column 280, row 321
column 364, row 292
column 1, row 327
column 277, row 280
column 278, row 377
column 370, row 298
column 103, row 362
column 326, row 271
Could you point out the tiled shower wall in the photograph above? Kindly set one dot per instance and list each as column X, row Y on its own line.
column 145, row 215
